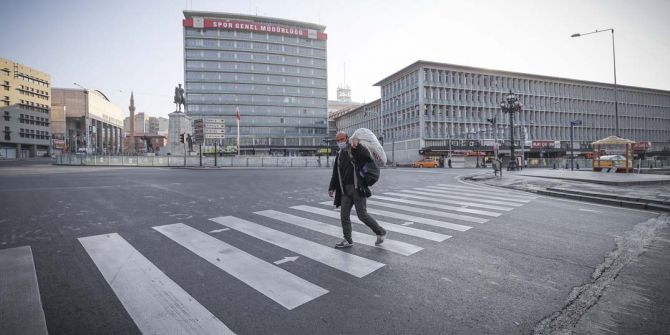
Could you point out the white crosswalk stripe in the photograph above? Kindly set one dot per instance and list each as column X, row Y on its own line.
column 20, row 304
column 156, row 304
column 272, row 281
column 349, row 263
column 433, row 205
column 429, row 212
column 483, row 188
column 398, row 247
column 496, row 191
column 413, row 218
column 428, row 235
column 468, row 193
column 456, row 202
column 460, row 196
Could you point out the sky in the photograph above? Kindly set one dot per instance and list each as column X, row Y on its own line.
column 121, row 46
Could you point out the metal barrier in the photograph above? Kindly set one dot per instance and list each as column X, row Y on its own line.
column 194, row 161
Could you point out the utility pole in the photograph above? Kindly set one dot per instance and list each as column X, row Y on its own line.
column 572, row 146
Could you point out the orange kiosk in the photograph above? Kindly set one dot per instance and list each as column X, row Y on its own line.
column 613, row 154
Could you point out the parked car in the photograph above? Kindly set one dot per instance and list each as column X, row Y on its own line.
column 426, row 163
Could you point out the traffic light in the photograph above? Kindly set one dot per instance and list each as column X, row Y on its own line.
column 181, row 138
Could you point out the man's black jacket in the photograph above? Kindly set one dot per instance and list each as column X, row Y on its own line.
column 360, row 156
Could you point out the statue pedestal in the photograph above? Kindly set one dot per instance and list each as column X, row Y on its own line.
column 179, row 123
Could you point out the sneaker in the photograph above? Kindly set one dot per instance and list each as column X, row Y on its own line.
column 344, row 244
column 381, row 238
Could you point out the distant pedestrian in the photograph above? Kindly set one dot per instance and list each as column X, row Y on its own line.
column 497, row 167
column 349, row 188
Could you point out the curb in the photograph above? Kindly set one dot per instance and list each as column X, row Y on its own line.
column 607, row 195
column 606, row 200
column 602, row 182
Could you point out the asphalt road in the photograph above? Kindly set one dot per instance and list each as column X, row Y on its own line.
column 510, row 270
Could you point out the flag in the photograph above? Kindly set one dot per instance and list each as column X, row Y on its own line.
column 238, row 114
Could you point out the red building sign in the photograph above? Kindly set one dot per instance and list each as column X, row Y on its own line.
column 254, row 26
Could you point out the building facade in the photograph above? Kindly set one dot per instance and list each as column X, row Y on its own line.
column 93, row 124
column 363, row 116
column 427, row 105
column 25, row 101
column 273, row 70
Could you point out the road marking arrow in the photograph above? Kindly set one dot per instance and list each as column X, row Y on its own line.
column 286, row 259
column 219, row 230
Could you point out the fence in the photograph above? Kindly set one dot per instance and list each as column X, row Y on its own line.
column 193, row 161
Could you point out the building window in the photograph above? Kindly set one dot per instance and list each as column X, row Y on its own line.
column 8, row 133
column 6, row 116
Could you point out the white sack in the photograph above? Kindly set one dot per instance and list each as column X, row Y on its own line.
column 370, row 141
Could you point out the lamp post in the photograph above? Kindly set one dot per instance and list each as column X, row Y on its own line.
column 511, row 105
column 616, row 103
column 572, row 146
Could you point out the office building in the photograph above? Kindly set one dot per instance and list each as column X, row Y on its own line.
column 426, row 105
column 272, row 70
column 93, row 123
column 25, row 101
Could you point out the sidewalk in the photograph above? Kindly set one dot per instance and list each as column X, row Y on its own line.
column 639, row 191
column 629, row 292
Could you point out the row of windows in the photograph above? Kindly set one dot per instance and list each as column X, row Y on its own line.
column 407, row 81
column 254, row 56
column 30, row 89
column 535, row 103
column 279, row 130
column 258, row 68
column 254, row 78
column 279, row 141
column 31, row 80
column 31, row 133
column 39, row 107
column 250, row 99
column 252, row 110
column 254, row 46
column 29, row 119
column 468, row 122
column 255, row 89
column 541, row 87
column 256, row 36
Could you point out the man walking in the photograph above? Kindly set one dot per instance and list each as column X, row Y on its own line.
column 349, row 188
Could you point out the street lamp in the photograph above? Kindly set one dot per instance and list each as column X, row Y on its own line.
column 511, row 105
column 572, row 146
column 616, row 107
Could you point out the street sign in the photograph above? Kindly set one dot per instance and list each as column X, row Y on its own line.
column 215, row 136
column 215, row 125
column 215, row 120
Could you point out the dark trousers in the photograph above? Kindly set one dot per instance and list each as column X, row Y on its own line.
column 350, row 197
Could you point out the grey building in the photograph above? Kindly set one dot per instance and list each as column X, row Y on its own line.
column 363, row 116
column 273, row 70
column 87, row 120
column 426, row 105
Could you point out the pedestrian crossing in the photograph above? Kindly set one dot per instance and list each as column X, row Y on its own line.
column 418, row 218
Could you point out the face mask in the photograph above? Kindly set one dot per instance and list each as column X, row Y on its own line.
column 342, row 145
